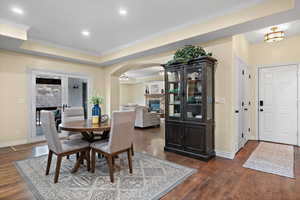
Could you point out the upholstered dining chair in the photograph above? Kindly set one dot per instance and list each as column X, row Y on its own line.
column 72, row 114
column 61, row 148
column 120, row 140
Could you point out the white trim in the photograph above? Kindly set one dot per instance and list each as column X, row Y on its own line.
column 259, row 67
column 225, row 154
column 13, row 143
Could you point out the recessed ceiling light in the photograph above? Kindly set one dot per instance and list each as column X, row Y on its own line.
column 123, row 12
column 17, row 10
column 85, row 33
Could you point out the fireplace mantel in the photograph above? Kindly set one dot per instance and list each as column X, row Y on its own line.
column 154, row 95
column 160, row 97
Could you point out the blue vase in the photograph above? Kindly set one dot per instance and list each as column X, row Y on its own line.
column 96, row 114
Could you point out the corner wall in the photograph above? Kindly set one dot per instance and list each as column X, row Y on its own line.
column 14, row 95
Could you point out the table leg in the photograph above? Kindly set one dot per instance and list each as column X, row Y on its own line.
column 82, row 157
column 87, row 136
column 105, row 135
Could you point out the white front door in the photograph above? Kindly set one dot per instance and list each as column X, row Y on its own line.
column 278, row 104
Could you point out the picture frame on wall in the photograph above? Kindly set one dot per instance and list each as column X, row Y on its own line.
column 154, row 89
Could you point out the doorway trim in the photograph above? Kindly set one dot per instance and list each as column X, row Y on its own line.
column 32, row 73
column 259, row 67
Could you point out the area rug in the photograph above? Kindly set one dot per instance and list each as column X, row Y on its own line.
column 272, row 158
column 152, row 178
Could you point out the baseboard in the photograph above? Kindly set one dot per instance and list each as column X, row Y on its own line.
column 224, row 154
column 13, row 143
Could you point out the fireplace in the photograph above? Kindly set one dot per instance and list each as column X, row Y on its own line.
column 154, row 105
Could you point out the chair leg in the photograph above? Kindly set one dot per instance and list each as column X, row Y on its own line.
column 129, row 160
column 111, row 168
column 68, row 157
column 93, row 160
column 88, row 161
column 57, row 170
column 49, row 162
column 132, row 152
column 77, row 156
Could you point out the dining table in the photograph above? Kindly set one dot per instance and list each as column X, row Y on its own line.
column 87, row 129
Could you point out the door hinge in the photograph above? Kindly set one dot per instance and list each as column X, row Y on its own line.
column 249, row 129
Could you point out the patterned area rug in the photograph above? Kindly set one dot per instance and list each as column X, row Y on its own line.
column 152, row 178
column 272, row 158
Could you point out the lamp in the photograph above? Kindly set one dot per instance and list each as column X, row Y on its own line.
column 274, row 36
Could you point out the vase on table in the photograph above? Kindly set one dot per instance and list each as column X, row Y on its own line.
column 96, row 114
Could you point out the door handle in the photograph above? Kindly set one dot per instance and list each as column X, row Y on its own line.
column 261, row 110
column 246, row 109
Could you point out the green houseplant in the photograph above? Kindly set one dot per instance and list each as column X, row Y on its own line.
column 187, row 53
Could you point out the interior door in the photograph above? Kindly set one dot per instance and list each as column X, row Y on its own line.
column 278, row 104
column 242, row 109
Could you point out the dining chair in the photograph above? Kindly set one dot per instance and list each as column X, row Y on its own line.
column 61, row 148
column 72, row 114
column 120, row 140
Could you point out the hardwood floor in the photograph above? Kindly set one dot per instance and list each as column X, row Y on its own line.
column 217, row 179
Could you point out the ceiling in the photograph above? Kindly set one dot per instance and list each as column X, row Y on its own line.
column 61, row 22
column 145, row 72
column 290, row 29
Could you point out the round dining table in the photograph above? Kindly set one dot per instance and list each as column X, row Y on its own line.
column 86, row 128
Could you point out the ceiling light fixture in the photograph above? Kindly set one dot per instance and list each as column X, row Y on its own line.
column 124, row 77
column 123, row 12
column 17, row 10
column 85, row 33
column 275, row 35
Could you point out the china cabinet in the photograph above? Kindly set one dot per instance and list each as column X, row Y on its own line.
column 189, row 90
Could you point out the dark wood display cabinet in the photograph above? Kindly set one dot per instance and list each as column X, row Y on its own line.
column 189, row 93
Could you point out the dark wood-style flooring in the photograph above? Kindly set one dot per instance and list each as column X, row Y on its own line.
column 217, row 179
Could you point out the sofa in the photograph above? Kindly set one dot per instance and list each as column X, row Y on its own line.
column 143, row 118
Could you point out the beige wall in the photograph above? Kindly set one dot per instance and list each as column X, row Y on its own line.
column 14, row 93
column 224, row 130
column 132, row 93
column 270, row 54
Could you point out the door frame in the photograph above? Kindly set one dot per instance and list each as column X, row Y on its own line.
column 32, row 73
column 258, row 69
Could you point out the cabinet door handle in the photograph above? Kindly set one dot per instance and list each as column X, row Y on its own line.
column 261, row 110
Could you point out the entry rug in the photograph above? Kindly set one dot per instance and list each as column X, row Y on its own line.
column 272, row 158
column 152, row 178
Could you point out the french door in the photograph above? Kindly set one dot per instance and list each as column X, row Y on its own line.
column 278, row 93
column 53, row 92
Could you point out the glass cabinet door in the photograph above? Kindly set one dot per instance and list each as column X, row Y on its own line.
column 194, row 94
column 174, row 84
column 209, row 94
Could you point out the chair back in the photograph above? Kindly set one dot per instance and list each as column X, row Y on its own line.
column 121, row 134
column 72, row 114
column 48, row 126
